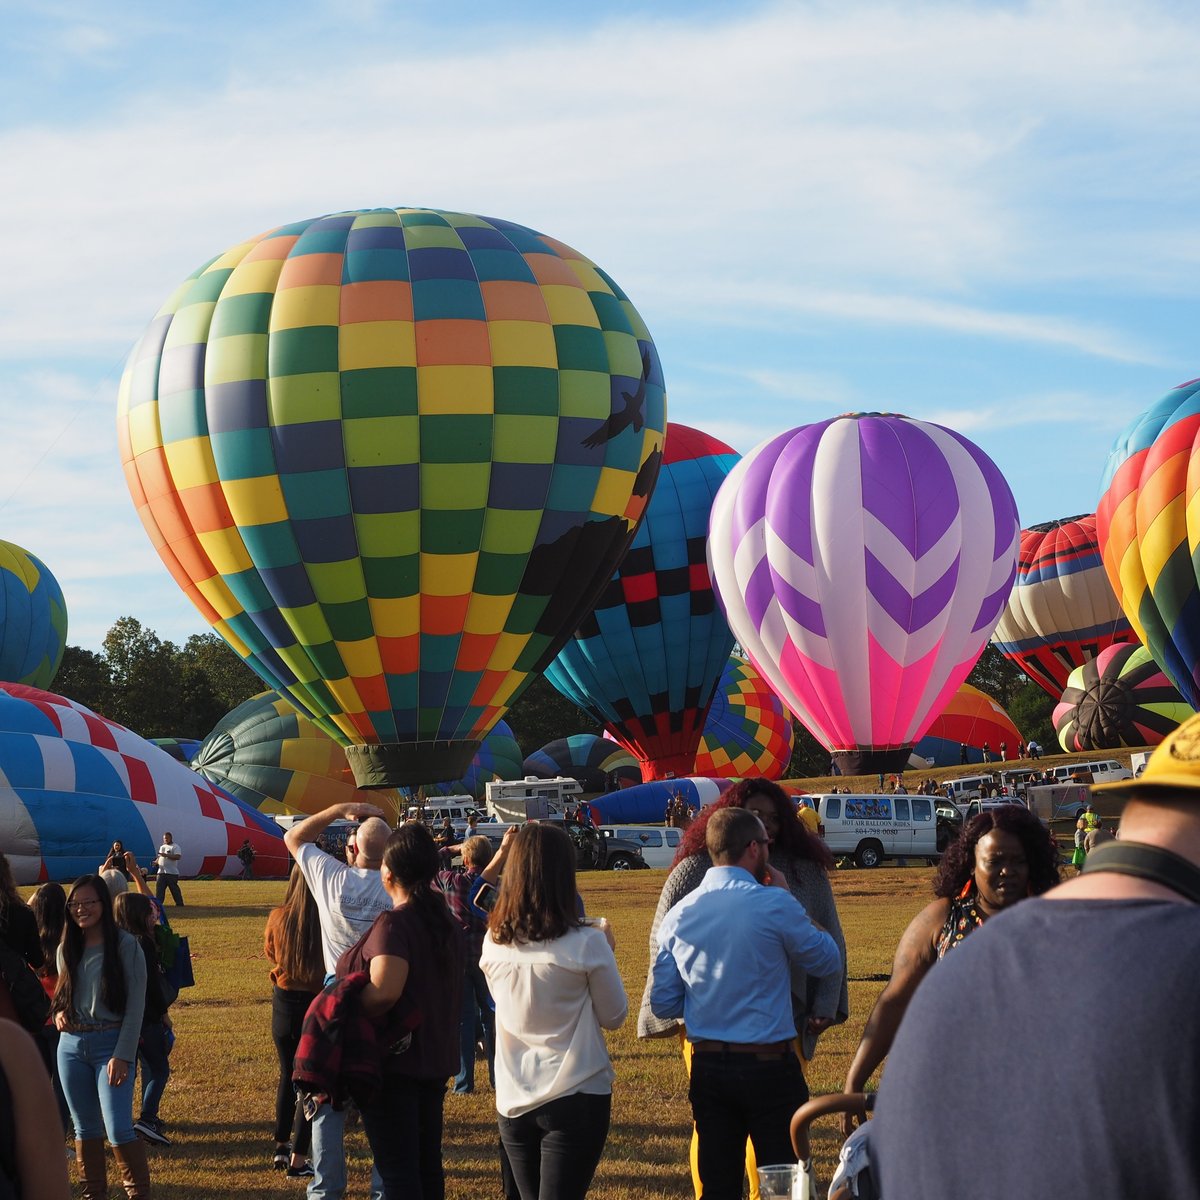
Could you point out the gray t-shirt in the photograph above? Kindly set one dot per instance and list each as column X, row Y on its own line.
column 87, row 1004
column 1053, row 1054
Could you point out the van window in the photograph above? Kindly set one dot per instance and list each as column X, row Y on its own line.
column 647, row 837
column 901, row 809
column 672, row 836
column 868, row 808
column 833, row 808
column 922, row 810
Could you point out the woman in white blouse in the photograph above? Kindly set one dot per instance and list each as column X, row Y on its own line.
column 556, row 986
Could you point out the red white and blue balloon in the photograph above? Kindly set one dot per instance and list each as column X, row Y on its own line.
column 862, row 563
column 72, row 783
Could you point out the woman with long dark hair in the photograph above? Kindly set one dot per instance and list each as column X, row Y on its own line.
column 18, row 925
column 292, row 945
column 414, row 951
column 1001, row 856
column 98, row 1007
column 556, row 987
column 49, row 907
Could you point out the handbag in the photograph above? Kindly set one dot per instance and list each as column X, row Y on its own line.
column 179, row 973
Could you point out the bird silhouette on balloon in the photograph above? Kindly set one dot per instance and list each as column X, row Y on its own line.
column 623, row 418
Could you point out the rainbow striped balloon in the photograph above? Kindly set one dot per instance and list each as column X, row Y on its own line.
column 863, row 563
column 1149, row 530
column 749, row 732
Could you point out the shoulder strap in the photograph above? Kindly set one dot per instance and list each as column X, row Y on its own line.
column 1147, row 862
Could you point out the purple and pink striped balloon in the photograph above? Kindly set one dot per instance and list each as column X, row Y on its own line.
column 862, row 563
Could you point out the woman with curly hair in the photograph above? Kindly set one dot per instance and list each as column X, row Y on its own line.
column 1000, row 857
column 804, row 861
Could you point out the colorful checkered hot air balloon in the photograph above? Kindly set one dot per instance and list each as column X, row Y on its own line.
column 393, row 456
column 1061, row 611
column 863, row 563
column 645, row 663
column 276, row 760
column 599, row 765
column 33, row 619
column 1120, row 698
column 748, row 732
column 72, row 783
column 972, row 719
column 1149, row 529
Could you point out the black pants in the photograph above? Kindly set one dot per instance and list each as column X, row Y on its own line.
column 404, row 1127
column 163, row 883
column 735, row 1096
column 287, row 1017
column 554, row 1150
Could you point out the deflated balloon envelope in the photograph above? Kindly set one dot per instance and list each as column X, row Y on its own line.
column 863, row 563
column 72, row 783
column 393, row 455
column 33, row 619
column 646, row 661
column 1062, row 610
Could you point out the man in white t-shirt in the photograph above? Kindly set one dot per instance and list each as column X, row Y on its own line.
column 169, row 855
column 349, row 896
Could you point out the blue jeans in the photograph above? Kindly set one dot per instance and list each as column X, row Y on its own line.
column 329, row 1158
column 96, row 1106
column 477, row 1009
column 156, row 1066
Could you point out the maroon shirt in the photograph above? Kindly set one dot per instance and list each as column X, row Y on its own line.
column 434, row 986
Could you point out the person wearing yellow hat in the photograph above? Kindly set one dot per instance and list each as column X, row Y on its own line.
column 996, row 1030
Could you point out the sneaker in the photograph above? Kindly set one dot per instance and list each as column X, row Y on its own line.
column 151, row 1130
column 303, row 1171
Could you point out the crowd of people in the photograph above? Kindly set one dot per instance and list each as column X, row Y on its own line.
column 398, row 965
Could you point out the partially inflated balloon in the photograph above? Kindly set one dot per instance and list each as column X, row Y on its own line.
column 275, row 759
column 645, row 663
column 73, row 782
column 1149, row 529
column 748, row 732
column 972, row 719
column 863, row 563
column 180, row 749
column 1120, row 698
column 393, row 456
column 498, row 757
column 1061, row 611
column 600, row 765
column 33, row 619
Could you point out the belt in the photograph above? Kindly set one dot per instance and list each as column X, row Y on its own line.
column 92, row 1026
column 761, row 1049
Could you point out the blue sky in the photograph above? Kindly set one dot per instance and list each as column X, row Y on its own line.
column 983, row 215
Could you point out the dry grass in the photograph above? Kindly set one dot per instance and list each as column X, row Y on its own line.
column 220, row 1100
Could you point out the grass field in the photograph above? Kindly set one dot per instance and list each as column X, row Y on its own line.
column 219, row 1103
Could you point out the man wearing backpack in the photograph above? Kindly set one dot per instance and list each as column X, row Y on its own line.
column 1121, row 942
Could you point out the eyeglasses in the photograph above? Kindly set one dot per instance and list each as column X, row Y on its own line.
column 79, row 905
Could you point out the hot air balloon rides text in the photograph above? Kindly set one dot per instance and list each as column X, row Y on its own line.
column 863, row 563
column 393, row 456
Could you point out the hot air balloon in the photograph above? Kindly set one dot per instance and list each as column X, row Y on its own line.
column 1062, row 610
column 862, row 563
column 1120, row 698
column 498, row 757
column 393, row 456
column 33, row 619
column 276, row 760
column 599, row 764
column 1148, row 532
column 646, row 803
column 72, row 783
column 645, row 663
column 748, row 731
column 972, row 719
column 180, row 749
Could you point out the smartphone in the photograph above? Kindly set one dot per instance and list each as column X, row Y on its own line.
column 485, row 898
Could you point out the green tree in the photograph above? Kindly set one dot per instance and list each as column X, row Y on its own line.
column 1031, row 710
column 543, row 715
column 145, row 679
column 84, row 676
column 997, row 676
column 809, row 757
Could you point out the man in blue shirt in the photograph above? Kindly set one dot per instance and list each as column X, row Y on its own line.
column 726, row 954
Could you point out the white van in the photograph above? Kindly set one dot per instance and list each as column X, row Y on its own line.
column 658, row 844
column 968, row 787
column 1102, row 771
column 873, row 828
column 438, row 808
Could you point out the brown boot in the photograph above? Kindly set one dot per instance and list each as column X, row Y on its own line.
column 93, row 1168
column 135, row 1170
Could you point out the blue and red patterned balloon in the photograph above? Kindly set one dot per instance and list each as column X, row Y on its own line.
column 647, row 660
column 863, row 563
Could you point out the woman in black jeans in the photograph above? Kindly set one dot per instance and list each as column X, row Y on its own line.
column 557, row 988
column 414, row 951
column 292, row 945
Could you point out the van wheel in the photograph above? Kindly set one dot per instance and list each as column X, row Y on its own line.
column 868, row 854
